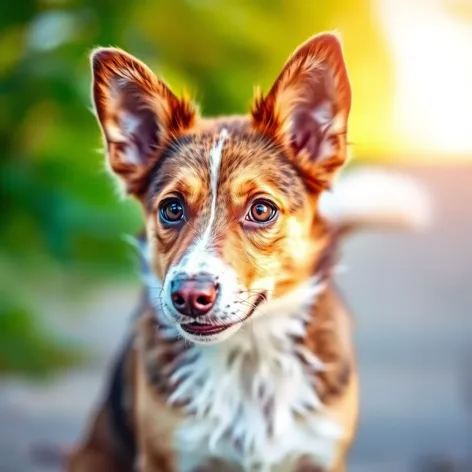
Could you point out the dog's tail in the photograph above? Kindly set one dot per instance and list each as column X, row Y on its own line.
column 376, row 199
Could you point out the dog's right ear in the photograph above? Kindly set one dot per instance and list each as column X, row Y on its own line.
column 137, row 113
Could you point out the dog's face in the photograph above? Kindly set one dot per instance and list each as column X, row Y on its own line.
column 230, row 203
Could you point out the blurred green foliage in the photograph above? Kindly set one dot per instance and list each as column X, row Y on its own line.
column 61, row 221
column 27, row 347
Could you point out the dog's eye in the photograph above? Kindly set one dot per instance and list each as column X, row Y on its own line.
column 171, row 210
column 261, row 211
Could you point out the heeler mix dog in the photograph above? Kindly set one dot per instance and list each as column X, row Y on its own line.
column 241, row 357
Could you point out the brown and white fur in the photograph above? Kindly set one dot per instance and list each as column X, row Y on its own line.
column 276, row 388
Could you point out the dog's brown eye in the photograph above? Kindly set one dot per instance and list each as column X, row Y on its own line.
column 171, row 211
column 261, row 211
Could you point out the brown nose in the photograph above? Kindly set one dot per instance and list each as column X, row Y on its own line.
column 194, row 296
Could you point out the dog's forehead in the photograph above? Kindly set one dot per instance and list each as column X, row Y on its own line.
column 195, row 153
column 229, row 150
column 228, row 158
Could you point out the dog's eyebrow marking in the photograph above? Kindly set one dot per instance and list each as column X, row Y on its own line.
column 216, row 154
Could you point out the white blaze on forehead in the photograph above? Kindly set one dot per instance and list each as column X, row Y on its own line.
column 216, row 154
column 197, row 259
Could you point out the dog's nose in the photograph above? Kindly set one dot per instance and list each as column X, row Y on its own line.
column 194, row 296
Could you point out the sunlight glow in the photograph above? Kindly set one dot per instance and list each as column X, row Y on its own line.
column 431, row 43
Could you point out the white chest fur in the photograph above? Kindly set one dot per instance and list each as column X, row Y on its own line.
column 253, row 400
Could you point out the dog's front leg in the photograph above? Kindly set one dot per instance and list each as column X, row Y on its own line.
column 152, row 459
column 340, row 468
column 155, row 452
column 149, row 463
column 96, row 453
column 307, row 465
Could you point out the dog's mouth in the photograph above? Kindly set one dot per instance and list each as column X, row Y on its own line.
column 203, row 329
column 206, row 329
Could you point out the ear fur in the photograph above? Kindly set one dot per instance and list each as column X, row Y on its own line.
column 138, row 114
column 307, row 108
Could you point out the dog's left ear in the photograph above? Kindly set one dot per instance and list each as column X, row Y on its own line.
column 307, row 108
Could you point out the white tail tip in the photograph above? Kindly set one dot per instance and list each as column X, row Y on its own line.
column 377, row 198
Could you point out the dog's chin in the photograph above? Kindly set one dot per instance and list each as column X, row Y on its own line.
column 210, row 338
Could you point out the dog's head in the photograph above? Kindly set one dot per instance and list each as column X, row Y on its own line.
column 230, row 203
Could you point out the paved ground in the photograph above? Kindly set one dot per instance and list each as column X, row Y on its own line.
column 412, row 299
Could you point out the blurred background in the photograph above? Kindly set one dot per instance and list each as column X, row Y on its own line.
column 68, row 280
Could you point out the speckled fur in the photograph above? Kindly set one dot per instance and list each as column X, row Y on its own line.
column 278, row 393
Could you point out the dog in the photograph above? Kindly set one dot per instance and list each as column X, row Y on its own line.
column 240, row 355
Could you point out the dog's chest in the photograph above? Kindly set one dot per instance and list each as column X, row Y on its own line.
column 253, row 402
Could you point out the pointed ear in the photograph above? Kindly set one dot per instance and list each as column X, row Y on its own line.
column 137, row 113
column 307, row 108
